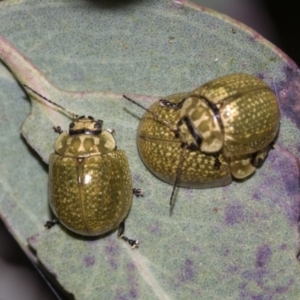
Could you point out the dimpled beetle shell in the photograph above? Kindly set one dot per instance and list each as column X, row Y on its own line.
column 90, row 187
column 234, row 118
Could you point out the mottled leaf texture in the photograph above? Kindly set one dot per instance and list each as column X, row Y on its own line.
column 236, row 242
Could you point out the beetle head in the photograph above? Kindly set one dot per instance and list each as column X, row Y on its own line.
column 85, row 125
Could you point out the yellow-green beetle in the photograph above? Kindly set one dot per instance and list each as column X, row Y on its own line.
column 202, row 138
column 90, row 188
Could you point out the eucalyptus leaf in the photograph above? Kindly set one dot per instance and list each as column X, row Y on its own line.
column 236, row 242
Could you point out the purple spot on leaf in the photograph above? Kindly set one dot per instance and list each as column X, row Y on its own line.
column 226, row 252
column 137, row 178
column 121, row 297
column 284, row 289
column 261, row 76
column 112, row 248
column 259, row 276
column 234, row 214
column 290, row 103
column 187, row 272
column 264, row 279
column 196, row 248
column 233, row 269
column 112, row 253
column 89, row 261
column 263, row 255
column 257, row 196
column 283, row 246
column 248, row 275
column 281, row 289
column 287, row 165
column 154, row 228
column 132, row 281
column 242, row 285
column 189, row 192
column 290, row 168
column 133, row 294
column 131, row 267
column 258, row 297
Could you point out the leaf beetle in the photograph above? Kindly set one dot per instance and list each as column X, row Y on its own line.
column 222, row 129
column 90, row 187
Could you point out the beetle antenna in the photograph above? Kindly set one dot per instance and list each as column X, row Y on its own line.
column 172, row 127
column 72, row 115
column 183, row 154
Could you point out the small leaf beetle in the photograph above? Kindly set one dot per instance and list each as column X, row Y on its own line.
column 90, row 188
column 201, row 139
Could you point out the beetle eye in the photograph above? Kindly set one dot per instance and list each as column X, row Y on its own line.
column 91, row 118
column 72, row 125
column 81, row 117
column 98, row 124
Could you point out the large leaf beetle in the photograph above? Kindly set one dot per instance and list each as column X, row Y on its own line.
column 202, row 138
column 90, row 187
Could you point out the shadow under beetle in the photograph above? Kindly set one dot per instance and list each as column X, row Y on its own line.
column 202, row 138
column 90, row 187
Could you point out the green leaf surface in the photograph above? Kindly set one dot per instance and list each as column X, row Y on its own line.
column 235, row 242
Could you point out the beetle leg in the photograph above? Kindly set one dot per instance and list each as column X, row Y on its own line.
column 58, row 129
column 241, row 166
column 138, row 192
column 259, row 157
column 132, row 243
column 217, row 163
column 271, row 146
column 50, row 224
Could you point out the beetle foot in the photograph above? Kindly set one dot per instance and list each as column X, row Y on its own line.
column 58, row 129
column 133, row 243
column 138, row 192
column 50, row 224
